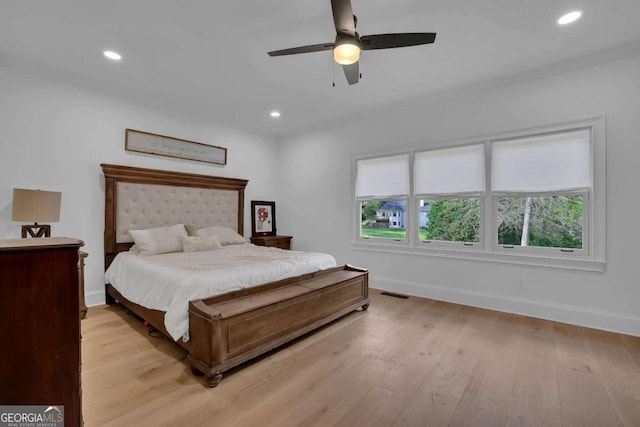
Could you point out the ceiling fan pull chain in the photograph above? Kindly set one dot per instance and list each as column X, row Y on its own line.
column 332, row 67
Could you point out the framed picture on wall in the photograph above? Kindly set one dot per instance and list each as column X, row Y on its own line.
column 263, row 218
column 162, row 145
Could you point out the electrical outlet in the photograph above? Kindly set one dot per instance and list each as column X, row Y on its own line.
column 521, row 283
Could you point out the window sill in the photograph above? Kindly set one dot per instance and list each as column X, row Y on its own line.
column 573, row 263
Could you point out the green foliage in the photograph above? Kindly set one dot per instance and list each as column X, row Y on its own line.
column 453, row 220
column 556, row 221
column 370, row 208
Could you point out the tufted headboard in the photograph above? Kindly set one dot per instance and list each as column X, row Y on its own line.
column 137, row 198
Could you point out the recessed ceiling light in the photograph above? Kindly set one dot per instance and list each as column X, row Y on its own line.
column 115, row 56
column 275, row 114
column 570, row 17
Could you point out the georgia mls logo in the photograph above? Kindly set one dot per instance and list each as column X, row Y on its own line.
column 53, row 408
column 31, row 416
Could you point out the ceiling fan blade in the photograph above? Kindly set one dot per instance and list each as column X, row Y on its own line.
column 388, row 41
column 352, row 73
column 343, row 16
column 302, row 49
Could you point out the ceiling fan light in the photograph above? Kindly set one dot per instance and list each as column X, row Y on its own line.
column 346, row 53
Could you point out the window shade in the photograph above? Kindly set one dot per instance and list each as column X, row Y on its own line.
column 557, row 162
column 383, row 176
column 457, row 170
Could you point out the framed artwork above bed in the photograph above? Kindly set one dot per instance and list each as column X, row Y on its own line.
column 162, row 145
column 263, row 218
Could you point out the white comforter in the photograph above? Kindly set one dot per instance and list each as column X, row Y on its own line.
column 168, row 282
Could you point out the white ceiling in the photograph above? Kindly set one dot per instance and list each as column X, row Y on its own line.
column 209, row 57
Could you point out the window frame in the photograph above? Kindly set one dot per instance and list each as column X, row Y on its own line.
column 590, row 258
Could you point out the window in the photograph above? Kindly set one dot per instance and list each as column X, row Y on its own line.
column 538, row 195
column 455, row 220
column 382, row 189
column 541, row 185
column 541, row 221
column 449, row 184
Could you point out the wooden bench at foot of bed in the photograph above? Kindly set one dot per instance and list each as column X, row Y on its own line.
column 232, row 328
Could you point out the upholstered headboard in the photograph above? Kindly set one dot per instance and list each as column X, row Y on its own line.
column 137, row 198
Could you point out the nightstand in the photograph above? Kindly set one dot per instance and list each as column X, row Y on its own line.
column 83, row 306
column 282, row 242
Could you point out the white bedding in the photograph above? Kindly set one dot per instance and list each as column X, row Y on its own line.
column 168, row 282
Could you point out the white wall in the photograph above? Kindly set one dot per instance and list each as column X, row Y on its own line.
column 53, row 136
column 318, row 180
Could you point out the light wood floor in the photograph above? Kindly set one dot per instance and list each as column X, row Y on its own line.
column 404, row 362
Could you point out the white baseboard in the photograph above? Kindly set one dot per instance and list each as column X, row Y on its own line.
column 94, row 298
column 590, row 318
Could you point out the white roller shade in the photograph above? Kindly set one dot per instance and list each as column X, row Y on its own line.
column 450, row 171
column 383, row 176
column 556, row 162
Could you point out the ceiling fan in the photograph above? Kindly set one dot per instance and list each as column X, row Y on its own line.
column 348, row 43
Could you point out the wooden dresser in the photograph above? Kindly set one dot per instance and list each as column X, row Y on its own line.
column 40, row 333
column 282, row 242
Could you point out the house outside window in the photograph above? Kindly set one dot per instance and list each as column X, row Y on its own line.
column 382, row 190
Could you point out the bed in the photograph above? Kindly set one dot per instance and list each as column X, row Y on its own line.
column 235, row 322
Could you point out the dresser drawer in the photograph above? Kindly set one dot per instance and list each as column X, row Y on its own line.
column 282, row 242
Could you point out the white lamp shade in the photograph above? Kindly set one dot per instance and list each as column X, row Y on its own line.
column 36, row 205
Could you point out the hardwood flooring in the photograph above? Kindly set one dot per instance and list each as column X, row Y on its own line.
column 414, row 362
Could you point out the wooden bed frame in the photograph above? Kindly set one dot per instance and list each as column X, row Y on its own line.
column 229, row 329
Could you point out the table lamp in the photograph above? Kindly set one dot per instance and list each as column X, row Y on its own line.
column 36, row 206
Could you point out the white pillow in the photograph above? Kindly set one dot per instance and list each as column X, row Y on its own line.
column 159, row 240
column 199, row 244
column 226, row 235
